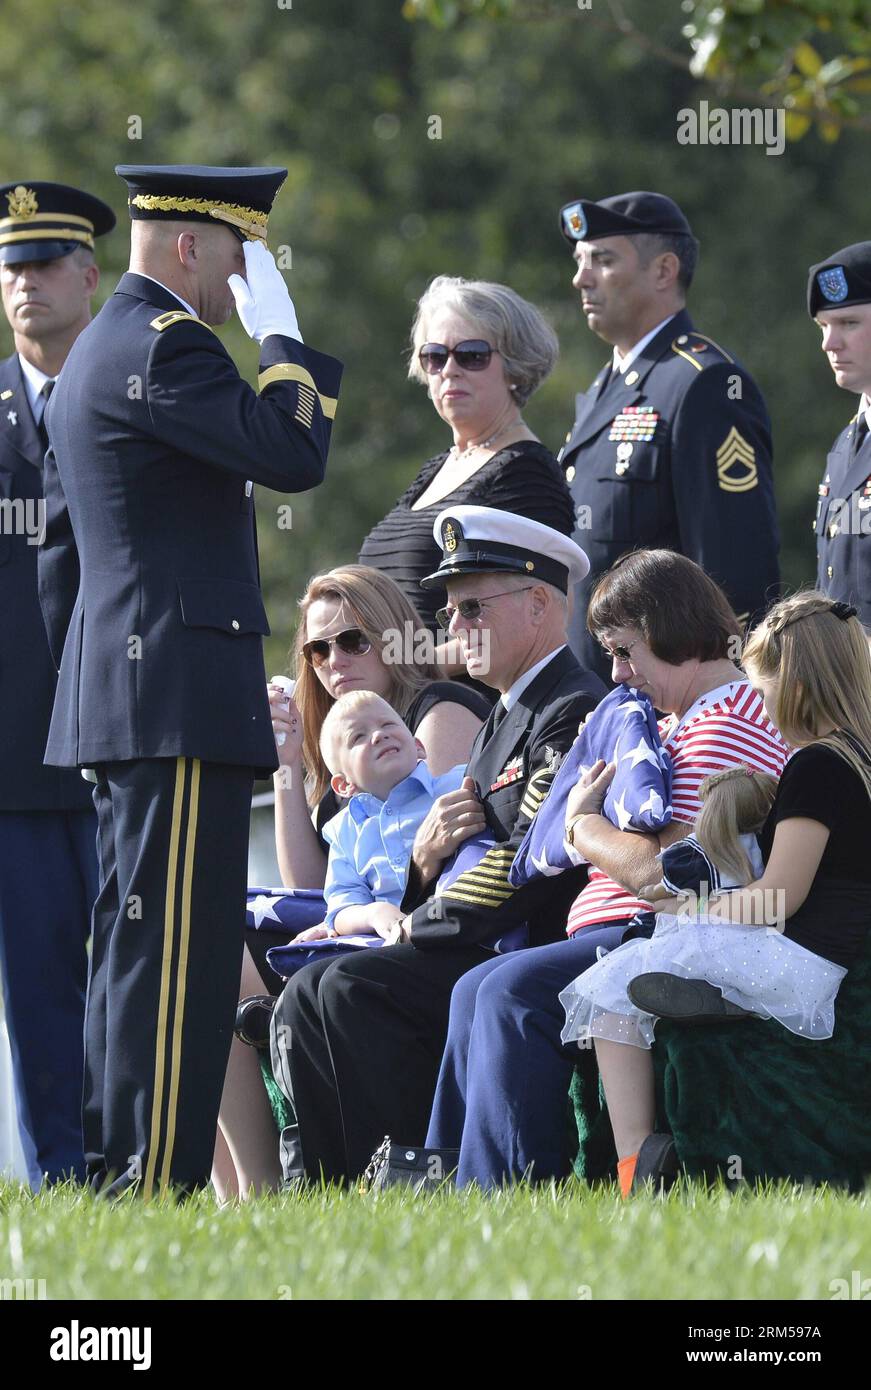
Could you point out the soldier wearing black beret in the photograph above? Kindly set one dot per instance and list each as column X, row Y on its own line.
column 48, row 830
column 671, row 445
column 839, row 300
column 150, row 589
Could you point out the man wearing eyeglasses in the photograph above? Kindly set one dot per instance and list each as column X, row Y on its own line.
column 362, row 1037
column 671, row 445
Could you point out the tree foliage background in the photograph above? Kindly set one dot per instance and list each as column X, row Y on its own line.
column 537, row 103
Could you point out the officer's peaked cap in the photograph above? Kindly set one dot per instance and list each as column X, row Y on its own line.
column 485, row 540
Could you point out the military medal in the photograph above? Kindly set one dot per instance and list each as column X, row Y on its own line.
column 624, row 453
column 511, row 772
column 865, row 499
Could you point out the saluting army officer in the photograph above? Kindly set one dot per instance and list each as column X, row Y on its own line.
column 671, row 446
column 156, row 444
column 48, row 830
column 839, row 300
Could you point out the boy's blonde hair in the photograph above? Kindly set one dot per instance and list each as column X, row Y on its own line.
column 735, row 802
column 818, row 652
column 378, row 607
column 336, row 716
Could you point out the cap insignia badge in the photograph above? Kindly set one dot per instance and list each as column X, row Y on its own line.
column 22, row 202
column 449, row 537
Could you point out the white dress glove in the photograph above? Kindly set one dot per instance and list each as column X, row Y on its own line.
column 263, row 304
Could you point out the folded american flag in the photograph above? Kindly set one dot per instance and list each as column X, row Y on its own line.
column 284, row 910
column 622, row 730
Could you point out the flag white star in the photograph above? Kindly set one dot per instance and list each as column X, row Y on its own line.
column 624, row 817
column 641, row 753
column 632, row 706
column 543, row 867
column 653, row 804
column 263, row 908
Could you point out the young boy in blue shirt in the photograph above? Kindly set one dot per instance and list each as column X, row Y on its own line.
column 379, row 765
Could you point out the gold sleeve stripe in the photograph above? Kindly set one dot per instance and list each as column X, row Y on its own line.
column 289, row 371
column 482, row 897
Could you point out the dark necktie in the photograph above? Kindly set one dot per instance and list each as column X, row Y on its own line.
column 860, row 434
column 45, row 393
column 499, row 713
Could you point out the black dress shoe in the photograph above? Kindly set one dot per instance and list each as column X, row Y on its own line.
column 690, row 1001
column 657, row 1163
column 253, row 1018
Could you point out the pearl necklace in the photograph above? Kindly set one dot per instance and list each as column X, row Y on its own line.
column 457, row 455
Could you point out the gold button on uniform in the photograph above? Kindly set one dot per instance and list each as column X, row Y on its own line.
column 235, row 624
column 570, row 473
column 829, row 571
column 833, row 530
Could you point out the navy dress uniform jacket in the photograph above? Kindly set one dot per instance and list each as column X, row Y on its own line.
column 675, row 454
column 513, row 767
column 27, row 673
column 843, row 523
column 149, row 475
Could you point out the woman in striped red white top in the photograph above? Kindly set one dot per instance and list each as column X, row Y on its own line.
column 505, row 1073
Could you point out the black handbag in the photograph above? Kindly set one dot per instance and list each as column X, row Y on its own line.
column 422, row 1169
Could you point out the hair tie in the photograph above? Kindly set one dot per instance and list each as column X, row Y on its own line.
column 844, row 611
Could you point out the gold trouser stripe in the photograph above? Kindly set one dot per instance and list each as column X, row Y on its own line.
column 181, row 974
column 289, row 371
column 165, row 966
column 47, row 234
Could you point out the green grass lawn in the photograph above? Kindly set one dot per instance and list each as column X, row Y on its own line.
column 571, row 1243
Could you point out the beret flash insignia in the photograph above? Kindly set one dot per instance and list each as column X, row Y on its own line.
column 833, row 284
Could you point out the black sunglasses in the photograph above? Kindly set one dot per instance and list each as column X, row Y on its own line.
column 353, row 642
column 473, row 356
column 471, row 608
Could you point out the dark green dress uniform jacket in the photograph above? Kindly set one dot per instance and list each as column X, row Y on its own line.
column 675, row 453
column 513, row 768
column 843, row 522
column 148, row 576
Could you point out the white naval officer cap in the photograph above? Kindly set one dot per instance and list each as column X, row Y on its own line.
column 484, row 540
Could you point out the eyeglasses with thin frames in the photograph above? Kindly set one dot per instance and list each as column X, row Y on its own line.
column 622, row 654
column 471, row 609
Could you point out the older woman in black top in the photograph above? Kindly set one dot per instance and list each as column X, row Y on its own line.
column 481, row 351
